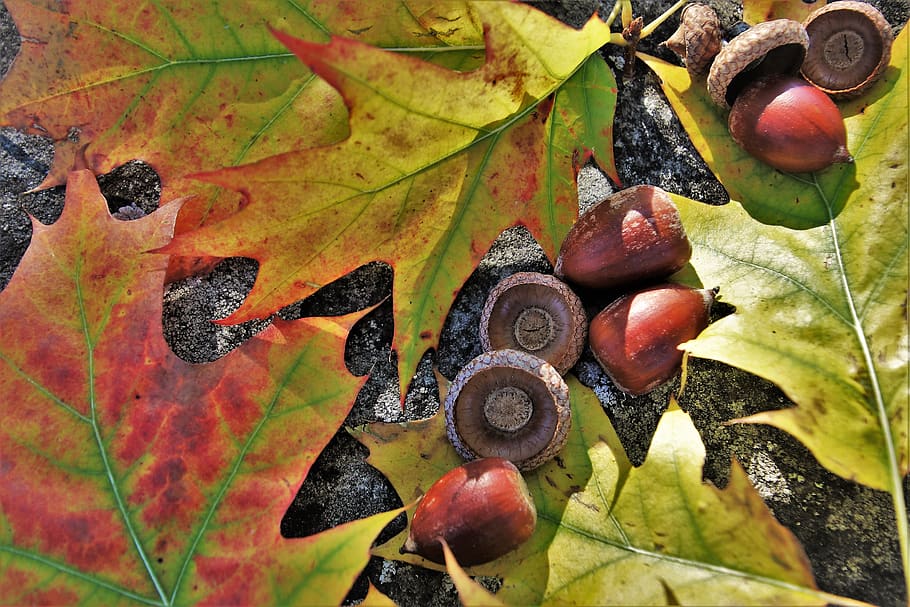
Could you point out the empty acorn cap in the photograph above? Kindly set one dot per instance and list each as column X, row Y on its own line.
column 771, row 47
column 509, row 404
column 849, row 47
column 537, row 313
column 698, row 39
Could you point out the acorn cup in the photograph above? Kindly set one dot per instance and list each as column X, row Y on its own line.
column 482, row 509
column 509, row 404
column 849, row 48
column 536, row 313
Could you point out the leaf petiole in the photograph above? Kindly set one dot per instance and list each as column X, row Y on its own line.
column 623, row 9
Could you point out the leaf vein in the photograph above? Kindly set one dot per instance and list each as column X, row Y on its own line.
column 99, row 441
column 63, row 568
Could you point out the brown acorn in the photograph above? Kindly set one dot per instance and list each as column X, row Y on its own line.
column 635, row 338
column 482, row 509
column 789, row 124
column 633, row 236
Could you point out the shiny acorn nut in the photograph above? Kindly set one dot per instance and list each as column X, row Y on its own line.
column 849, row 47
column 768, row 48
column 510, row 404
column 635, row 338
column 789, row 124
column 482, row 509
column 632, row 236
column 698, row 39
column 537, row 313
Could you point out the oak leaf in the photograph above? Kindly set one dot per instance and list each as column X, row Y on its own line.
column 187, row 86
column 821, row 295
column 130, row 476
column 197, row 86
column 437, row 164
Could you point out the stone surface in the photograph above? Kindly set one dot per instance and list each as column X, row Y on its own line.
column 847, row 529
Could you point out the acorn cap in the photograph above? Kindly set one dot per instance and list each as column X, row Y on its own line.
column 536, row 313
column 509, row 404
column 849, row 47
column 772, row 47
column 698, row 39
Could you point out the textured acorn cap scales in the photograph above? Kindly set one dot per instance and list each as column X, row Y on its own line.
column 849, row 47
column 771, row 47
column 698, row 39
column 509, row 404
column 536, row 313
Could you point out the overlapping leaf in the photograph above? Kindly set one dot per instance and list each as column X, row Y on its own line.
column 830, row 298
column 127, row 475
column 757, row 11
column 470, row 593
column 821, row 311
column 188, row 86
column 436, row 165
column 611, row 534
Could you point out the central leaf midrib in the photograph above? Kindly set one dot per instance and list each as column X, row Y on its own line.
column 883, row 416
column 99, row 440
column 266, row 415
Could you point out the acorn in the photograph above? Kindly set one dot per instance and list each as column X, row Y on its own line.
column 775, row 116
column 789, row 124
column 482, row 509
column 635, row 339
column 634, row 235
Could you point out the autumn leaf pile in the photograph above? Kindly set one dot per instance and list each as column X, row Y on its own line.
column 319, row 136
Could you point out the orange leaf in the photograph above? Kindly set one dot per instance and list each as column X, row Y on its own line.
column 126, row 473
column 192, row 86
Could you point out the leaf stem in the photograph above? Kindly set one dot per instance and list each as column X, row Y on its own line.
column 649, row 29
column 897, row 489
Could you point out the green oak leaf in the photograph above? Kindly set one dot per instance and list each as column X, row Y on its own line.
column 820, row 310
